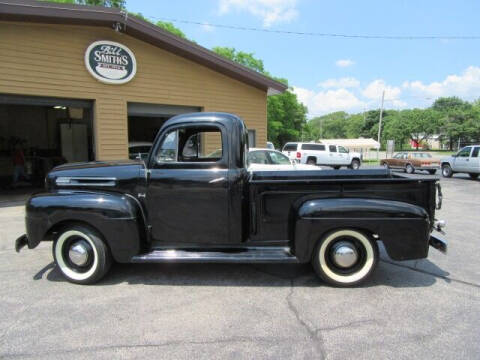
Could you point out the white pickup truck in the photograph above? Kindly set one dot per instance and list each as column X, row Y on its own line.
column 322, row 154
column 466, row 160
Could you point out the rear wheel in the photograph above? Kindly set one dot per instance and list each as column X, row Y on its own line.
column 447, row 170
column 81, row 254
column 355, row 165
column 336, row 167
column 473, row 176
column 409, row 169
column 312, row 161
column 345, row 258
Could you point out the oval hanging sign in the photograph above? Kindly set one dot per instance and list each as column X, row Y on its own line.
column 110, row 62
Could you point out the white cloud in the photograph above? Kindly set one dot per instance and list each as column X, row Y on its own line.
column 344, row 62
column 324, row 102
column 466, row 85
column 270, row 11
column 345, row 82
column 374, row 90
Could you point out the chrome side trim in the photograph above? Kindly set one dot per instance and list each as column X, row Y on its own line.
column 85, row 181
column 248, row 255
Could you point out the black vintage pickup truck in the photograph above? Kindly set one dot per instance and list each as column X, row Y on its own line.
column 193, row 200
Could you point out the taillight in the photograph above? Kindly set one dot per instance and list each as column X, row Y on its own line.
column 299, row 155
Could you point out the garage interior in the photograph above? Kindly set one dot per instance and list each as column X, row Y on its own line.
column 144, row 120
column 45, row 132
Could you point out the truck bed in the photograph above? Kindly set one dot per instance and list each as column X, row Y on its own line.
column 273, row 195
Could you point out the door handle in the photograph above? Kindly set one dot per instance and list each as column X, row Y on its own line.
column 220, row 179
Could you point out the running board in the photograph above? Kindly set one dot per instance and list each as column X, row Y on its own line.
column 245, row 255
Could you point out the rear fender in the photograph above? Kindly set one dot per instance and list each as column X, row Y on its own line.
column 118, row 217
column 403, row 228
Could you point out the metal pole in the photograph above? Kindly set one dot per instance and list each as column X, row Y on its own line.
column 380, row 125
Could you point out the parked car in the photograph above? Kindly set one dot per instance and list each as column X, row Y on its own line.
column 180, row 206
column 467, row 160
column 322, row 154
column 410, row 162
column 266, row 159
column 139, row 150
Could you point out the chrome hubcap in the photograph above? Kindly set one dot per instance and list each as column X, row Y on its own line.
column 78, row 253
column 344, row 254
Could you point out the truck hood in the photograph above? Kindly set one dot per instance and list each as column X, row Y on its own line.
column 121, row 175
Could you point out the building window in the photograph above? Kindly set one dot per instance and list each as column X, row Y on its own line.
column 252, row 138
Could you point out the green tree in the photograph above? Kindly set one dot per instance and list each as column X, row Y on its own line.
column 286, row 116
column 421, row 124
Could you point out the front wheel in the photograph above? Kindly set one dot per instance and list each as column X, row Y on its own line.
column 409, row 169
column 355, row 165
column 81, row 254
column 473, row 176
column 447, row 170
column 345, row 258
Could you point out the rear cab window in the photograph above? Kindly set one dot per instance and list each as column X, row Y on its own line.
column 290, row 147
column 332, row 148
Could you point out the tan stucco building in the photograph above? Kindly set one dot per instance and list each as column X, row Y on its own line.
column 50, row 101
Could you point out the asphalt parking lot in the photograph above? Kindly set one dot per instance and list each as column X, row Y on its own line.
column 419, row 309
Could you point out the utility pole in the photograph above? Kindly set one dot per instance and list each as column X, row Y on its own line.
column 380, row 124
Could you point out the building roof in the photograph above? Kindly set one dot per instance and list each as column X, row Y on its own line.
column 355, row 143
column 58, row 13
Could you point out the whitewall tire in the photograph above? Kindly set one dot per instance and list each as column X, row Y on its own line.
column 81, row 255
column 345, row 257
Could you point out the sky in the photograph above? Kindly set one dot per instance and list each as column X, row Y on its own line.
column 344, row 74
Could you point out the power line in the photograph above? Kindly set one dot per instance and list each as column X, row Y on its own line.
column 319, row 34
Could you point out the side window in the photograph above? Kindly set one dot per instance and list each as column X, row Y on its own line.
column 405, row 156
column 397, row 156
column 167, row 152
column 313, row 147
column 465, row 152
column 257, row 157
column 475, row 152
column 191, row 144
column 332, row 148
column 342, row 150
column 278, row 158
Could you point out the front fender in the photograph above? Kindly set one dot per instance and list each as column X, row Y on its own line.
column 403, row 228
column 118, row 217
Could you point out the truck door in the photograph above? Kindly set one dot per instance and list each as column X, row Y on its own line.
column 344, row 156
column 475, row 160
column 462, row 160
column 333, row 155
column 188, row 190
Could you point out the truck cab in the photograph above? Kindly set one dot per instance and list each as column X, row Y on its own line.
column 466, row 160
column 193, row 200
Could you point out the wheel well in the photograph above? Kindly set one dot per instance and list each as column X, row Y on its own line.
column 54, row 229
column 355, row 158
column 445, row 163
column 312, row 158
column 369, row 233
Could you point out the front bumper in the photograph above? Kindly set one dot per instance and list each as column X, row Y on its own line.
column 428, row 167
column 437, row 242
column 21, row 242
